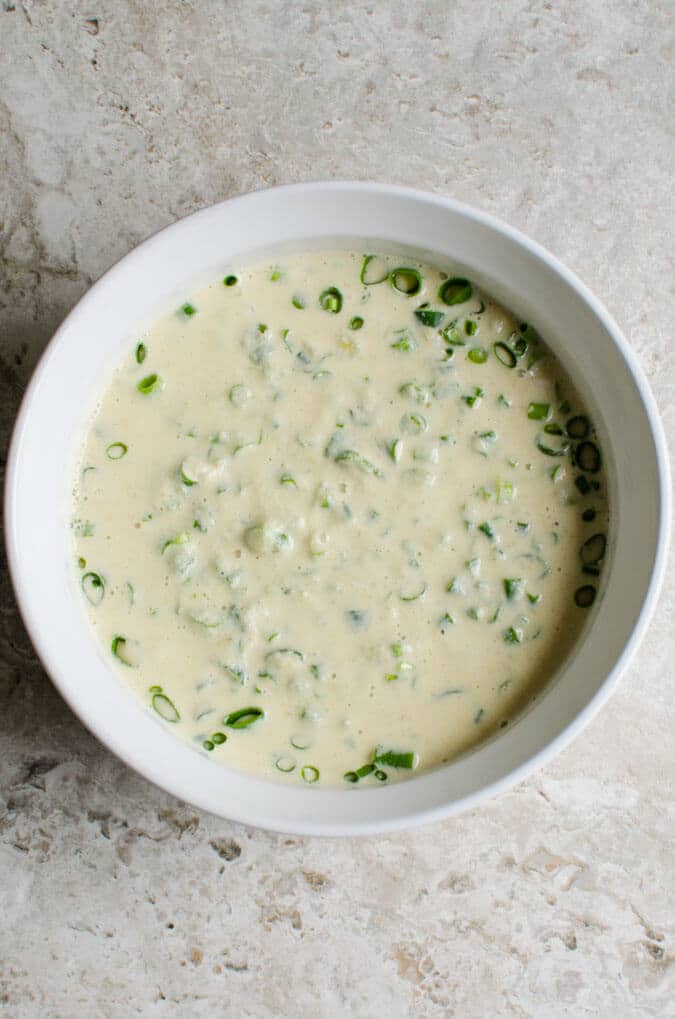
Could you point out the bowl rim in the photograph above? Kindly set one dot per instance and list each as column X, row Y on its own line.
column 539, row 758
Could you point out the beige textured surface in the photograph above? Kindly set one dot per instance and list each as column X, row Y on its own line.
column 557, row 900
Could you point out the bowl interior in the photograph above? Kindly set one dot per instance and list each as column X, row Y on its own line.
column 195, row 251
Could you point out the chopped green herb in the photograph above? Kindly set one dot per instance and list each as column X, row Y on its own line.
column 406, row 281
column 230, row 281
column 428, row 317
column 478, row 355
column 243, row 717
column 330, row 299
column 149, row 384
column 356, row 322
column 189, row 309
column 141, row 353
column 455, row 291
column 539, row 411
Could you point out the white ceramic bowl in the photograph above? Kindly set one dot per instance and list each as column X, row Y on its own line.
column 133, row 294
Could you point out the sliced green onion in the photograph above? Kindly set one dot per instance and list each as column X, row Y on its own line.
column 116, row 450
column 539, row 411
column 593, row 550
column 330, row 299
column 365, row 770
column 394, row 758
column 578, row 427
column 208, row 744
column 141, row 353
column 513, row 587
column 356, row 322
column 512, row 635
column 470, row 327
column 93, row 586
column 548, row 450
column 244, row 717
column 285, row 764
column 584, row 596
column 285, row 651
column 372, row 274
column 218, row 738
column 149, row 384
column 504, row 354
column 239, row 394
column 451, row 336
column 417, row 594
column 455, row 291
column 394, row 449
column 310, row 774
column 189, row 309
column 298, row 302
column 164, row 706
column 350, row 776
column 81, row 562
column 230, row 281
column 582, row 483
column 405, row 341
column 125, row 650
column 588, row 515
column 416, row 392
column 428, row 317
column 185, row 477
column 288, row 479
column 348, row 456
column 473, row 399
column 487, row 530
column 380, row 775
column 180, row 539
column 478, row 355
column 587, row 457
column 406, row 281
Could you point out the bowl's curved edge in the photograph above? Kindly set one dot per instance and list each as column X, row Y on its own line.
column 565, row 737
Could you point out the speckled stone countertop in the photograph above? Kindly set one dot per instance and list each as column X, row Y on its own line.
column 117, row 117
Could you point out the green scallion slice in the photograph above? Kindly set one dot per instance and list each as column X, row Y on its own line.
column 428, row 317
column 587, row 457
column 512, row 635
column 589, row 515
column 407, row 281
column 244, row 717
column 356, row 322
column 310, row 774
column 545, row 447
column 455, row 291
column 373, row 271
column 350, row 776
column 188, row 309
column 298, row 302
column 230, row 281
column 330, row 299
column 116, row 450
column 394, row 758
column 504, row 354
column 578, row 427
column 285, row 764
column 478, row 355
column 125, row 650
column 513, row 587
column 93, row 586
column 164, row 706
column 149, row 384
column 141, row 353
column 415, row 595
column 539, row 411
column 584, row 596
column 593, row 550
